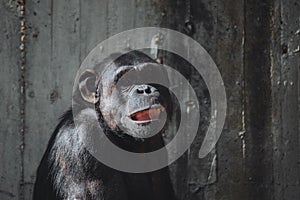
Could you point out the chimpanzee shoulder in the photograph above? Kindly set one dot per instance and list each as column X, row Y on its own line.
column 44, row 182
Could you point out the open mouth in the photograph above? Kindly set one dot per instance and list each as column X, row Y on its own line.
column 147, row 115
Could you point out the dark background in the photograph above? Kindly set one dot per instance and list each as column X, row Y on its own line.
column 255, row 45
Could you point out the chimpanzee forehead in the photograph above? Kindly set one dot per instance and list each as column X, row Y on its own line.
column 133, row 58
column 114, row 72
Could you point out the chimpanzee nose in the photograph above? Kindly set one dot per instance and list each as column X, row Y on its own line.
column 145, row 89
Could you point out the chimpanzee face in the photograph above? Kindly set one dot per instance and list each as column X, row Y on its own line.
column 129, row 102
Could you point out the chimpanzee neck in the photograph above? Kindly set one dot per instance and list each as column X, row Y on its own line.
column 137, row 145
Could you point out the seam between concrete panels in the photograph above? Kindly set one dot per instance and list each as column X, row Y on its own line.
column 22, row 91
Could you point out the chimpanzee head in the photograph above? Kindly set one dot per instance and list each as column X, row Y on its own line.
column 125, row 98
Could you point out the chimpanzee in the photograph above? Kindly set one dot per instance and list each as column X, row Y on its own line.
column 69, row 171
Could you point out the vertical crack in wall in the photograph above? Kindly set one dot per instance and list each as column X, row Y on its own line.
column 243, row 100
column 22, row 95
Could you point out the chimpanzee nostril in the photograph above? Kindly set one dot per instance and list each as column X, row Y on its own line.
column 139, row 91
column 148, row 90
column 144, row 89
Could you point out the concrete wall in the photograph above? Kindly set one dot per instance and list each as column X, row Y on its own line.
column 255, row 44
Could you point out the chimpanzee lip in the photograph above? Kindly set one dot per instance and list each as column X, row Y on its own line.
column 147, row 115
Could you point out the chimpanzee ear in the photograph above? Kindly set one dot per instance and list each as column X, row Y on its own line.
column 87, row 85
